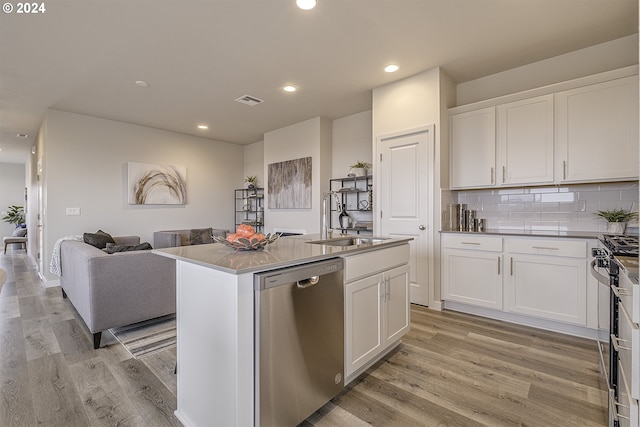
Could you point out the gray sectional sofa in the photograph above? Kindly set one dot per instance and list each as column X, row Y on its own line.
column 186, row 237
column 118, row 289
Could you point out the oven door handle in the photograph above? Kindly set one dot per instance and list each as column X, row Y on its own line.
column 595, row 273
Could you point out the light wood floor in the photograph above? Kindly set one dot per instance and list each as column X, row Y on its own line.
column 451, row 370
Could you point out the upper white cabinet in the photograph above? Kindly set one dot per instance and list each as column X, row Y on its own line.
column 473, row 148
column 597, row 131
column 525, row 141
column 586, row 133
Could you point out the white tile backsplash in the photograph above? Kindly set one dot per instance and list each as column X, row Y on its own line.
column 552, row 208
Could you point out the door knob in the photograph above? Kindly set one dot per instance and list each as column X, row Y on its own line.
column 422, row 227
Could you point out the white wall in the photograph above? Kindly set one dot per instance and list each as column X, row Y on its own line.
column 351, row 143
column 602, row 57
column 12, row 185
column 85, row 166
column 311, row 138
column 254, row 162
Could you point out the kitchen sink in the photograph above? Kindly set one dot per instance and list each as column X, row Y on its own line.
column 348, row 241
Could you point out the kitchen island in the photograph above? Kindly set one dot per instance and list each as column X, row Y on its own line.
column 216, row 319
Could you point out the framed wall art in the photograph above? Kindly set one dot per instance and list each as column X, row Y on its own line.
column 289, row 185
column 151, row 184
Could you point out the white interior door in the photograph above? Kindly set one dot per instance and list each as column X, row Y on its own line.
column 405, row 193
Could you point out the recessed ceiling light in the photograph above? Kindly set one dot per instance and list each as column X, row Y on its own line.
column 22, row 135
column 306, row 4
column 391, row 68
column 289, row 88
column 203, row 127
column 142, row 83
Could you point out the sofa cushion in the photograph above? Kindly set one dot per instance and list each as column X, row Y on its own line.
column 112, row 249
column 201, row 236
column 99, row 239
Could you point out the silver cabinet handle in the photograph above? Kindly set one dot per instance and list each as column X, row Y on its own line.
column 564, row 169
column 504, row 174
column 548, row 248
column 471, row 243
column 621, row 292
column 510, row 266
column 617, row 343
column 614, row 406
column 422, row 227
column 498, row 265
column 492, row 176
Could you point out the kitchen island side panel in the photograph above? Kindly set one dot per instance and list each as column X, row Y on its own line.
column 215, row 347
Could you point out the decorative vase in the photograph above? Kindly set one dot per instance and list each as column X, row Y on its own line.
column 360, row 171
column 616, row 227
column 251, row 186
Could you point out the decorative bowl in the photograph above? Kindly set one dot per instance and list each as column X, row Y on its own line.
column 243, row 244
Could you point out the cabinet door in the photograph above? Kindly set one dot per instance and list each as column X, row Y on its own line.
column 363, row 322
column 472, row 277
column 597, row 131
column 396, row 307
column 548, row 287
column 525, row 141
column 473, row 148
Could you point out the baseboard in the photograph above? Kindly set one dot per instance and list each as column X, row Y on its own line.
column 50, row 283
column 549, row 325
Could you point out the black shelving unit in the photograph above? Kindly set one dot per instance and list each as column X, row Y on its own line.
column 356, row 194
column 249, row 206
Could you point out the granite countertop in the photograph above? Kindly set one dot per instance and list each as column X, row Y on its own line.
column 533, row 233
column 284, row 252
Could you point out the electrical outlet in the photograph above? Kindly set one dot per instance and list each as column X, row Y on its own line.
column 73, row 211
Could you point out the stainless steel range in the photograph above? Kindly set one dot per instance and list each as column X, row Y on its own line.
column 617, row 255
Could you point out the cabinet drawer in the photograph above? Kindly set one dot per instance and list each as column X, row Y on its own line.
column 474, row 242
column 368, row 263
column 554, row 247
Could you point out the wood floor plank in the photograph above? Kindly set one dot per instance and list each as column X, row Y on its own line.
column 73, row 341
column 57, row 402
column 104, row 400
column 31, row 307
column 16, row 403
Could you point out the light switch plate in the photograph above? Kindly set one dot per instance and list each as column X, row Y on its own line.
column 73, row 211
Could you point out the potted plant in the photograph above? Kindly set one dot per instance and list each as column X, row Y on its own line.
column 361, row 168
column 617, row 219
column 252, row 180
column 15, row 215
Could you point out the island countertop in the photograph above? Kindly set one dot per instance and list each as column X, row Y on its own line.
column 284, row 252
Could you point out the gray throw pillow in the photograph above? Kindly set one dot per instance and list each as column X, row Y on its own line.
column 200, row 236
column 19, row 232
column 99, row 239
column 112, row 249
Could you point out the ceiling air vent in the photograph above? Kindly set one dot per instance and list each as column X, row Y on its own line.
column 249, row 100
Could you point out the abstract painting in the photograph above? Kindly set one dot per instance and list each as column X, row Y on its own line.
column 290, row 184
column 151, row 184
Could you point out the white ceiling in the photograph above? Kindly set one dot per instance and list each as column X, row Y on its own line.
column 200, row 55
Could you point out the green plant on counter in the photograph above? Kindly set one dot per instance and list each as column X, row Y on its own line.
column 617, row 215
column 252, row 180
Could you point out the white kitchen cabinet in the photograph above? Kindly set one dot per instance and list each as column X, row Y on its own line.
column 376, row 306
column 525, row 141
column 473, row 148
column 472, row 270
column 597, row 131
column 551, row 287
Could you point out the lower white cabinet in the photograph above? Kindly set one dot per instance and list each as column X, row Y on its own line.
column 376, row 311
column 543, row 278
column 472, row 270
column 550, row 287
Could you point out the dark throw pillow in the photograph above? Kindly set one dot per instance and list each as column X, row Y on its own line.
column 201, row 236
column 112, row 249
column 99, row 239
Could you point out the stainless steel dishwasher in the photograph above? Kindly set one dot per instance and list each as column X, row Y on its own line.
column 299, row 341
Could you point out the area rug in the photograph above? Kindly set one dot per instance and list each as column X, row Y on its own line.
column 149, row 337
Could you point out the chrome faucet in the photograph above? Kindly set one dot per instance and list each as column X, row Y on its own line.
column 325, row 213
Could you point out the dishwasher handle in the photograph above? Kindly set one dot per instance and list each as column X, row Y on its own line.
column 307, row 283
